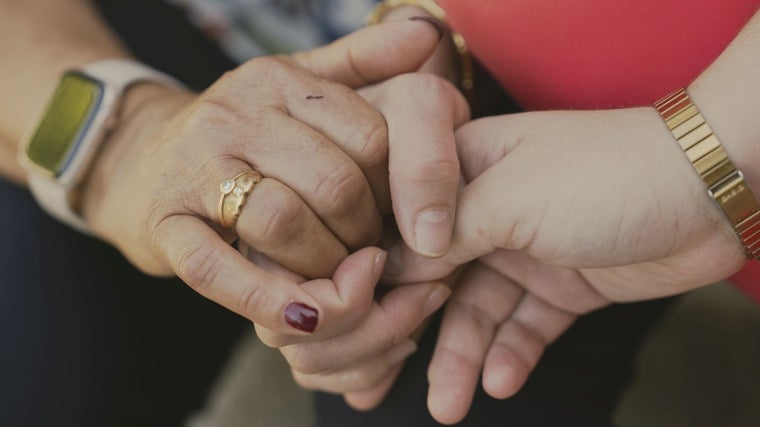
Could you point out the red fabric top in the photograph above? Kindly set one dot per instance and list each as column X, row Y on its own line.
column 590, row 54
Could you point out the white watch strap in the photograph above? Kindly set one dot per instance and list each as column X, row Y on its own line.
column 120, row 73
column 117, row 75
column 54, row 199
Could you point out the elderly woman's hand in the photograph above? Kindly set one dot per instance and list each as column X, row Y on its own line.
column 155, row 191
column 422, row 111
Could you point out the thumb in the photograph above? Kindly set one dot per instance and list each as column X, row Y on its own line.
column 497, row 194
column 373, row 54
column 486, row 218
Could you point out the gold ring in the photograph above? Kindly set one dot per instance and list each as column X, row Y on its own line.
column 235, row 193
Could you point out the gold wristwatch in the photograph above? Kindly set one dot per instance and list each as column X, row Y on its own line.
column 725, row 183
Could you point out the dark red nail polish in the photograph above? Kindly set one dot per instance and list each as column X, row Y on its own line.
column 301, row 317
column 438, row 25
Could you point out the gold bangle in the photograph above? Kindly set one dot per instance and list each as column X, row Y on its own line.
column 467, row 81
column 725, row 183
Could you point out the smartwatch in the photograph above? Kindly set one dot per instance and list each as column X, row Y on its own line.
column 84, row 107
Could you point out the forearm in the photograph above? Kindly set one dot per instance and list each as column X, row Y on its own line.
column 38, row 40
column 728, row 95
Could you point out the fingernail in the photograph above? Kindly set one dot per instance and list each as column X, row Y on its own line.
column 439, row 296
column 301, row 317
column 399, row 353
column 438, row 25
column 432, row 232
column 380, row 260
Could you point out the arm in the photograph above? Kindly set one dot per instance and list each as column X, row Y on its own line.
column 153, row 190
column 39, row 40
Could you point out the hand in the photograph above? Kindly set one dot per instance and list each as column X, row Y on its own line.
column 383, row 335
column 588, row 218
column 154, row 191
column 422, row 111
column 504, row 312
column 606, row 192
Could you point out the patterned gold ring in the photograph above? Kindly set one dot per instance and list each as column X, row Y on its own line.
column 235, row 193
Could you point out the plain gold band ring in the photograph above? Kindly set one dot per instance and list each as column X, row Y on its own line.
column 235, row 193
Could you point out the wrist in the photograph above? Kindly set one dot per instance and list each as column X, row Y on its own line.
column 726, row 94
column 725, row 182
column 733, row 118
column 145, row 108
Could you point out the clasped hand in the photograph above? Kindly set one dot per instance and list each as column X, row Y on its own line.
column 562, row 213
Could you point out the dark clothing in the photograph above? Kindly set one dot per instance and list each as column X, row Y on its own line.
column 578, row 381
column 86, row 339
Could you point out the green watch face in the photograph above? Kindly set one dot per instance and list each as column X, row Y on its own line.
column 69, row 113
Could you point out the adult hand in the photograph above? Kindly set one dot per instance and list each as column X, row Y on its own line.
column 504, row 312
column 422, row 111
column 568, row 211
column 609, row 193
column 155, row 189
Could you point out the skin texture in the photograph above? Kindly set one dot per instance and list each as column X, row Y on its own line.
column 561, row 213
column 564, row 212
column 154, row 187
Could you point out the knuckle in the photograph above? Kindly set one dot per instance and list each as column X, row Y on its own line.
column 374, row 143
column 361, row 379
column 216, row 111
column 198, row 266
column 260, row 64
column 276, row 218
column 426, row 85
column 438, row 169
column 304, row 362
column 341, row 189
column 250, row 299
column 481, row 319
column 271, row 67
column 274, row 340
column 306, row 382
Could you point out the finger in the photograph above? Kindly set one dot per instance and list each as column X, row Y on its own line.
column 487, row 219
column 363, row 376
column 217, row 271
column 352, row 124
column 482, row 143
column 373, row 54
column 258, row 120
column 278, row 223
column 268, row 264
column 406, row 266
column 563, row 288
column 422, row 110
column 391, row 320
column 368, row 399
column 325, row 177
column 347, row 298
column 519, row 344
column 484, row 221
column 480, row 303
